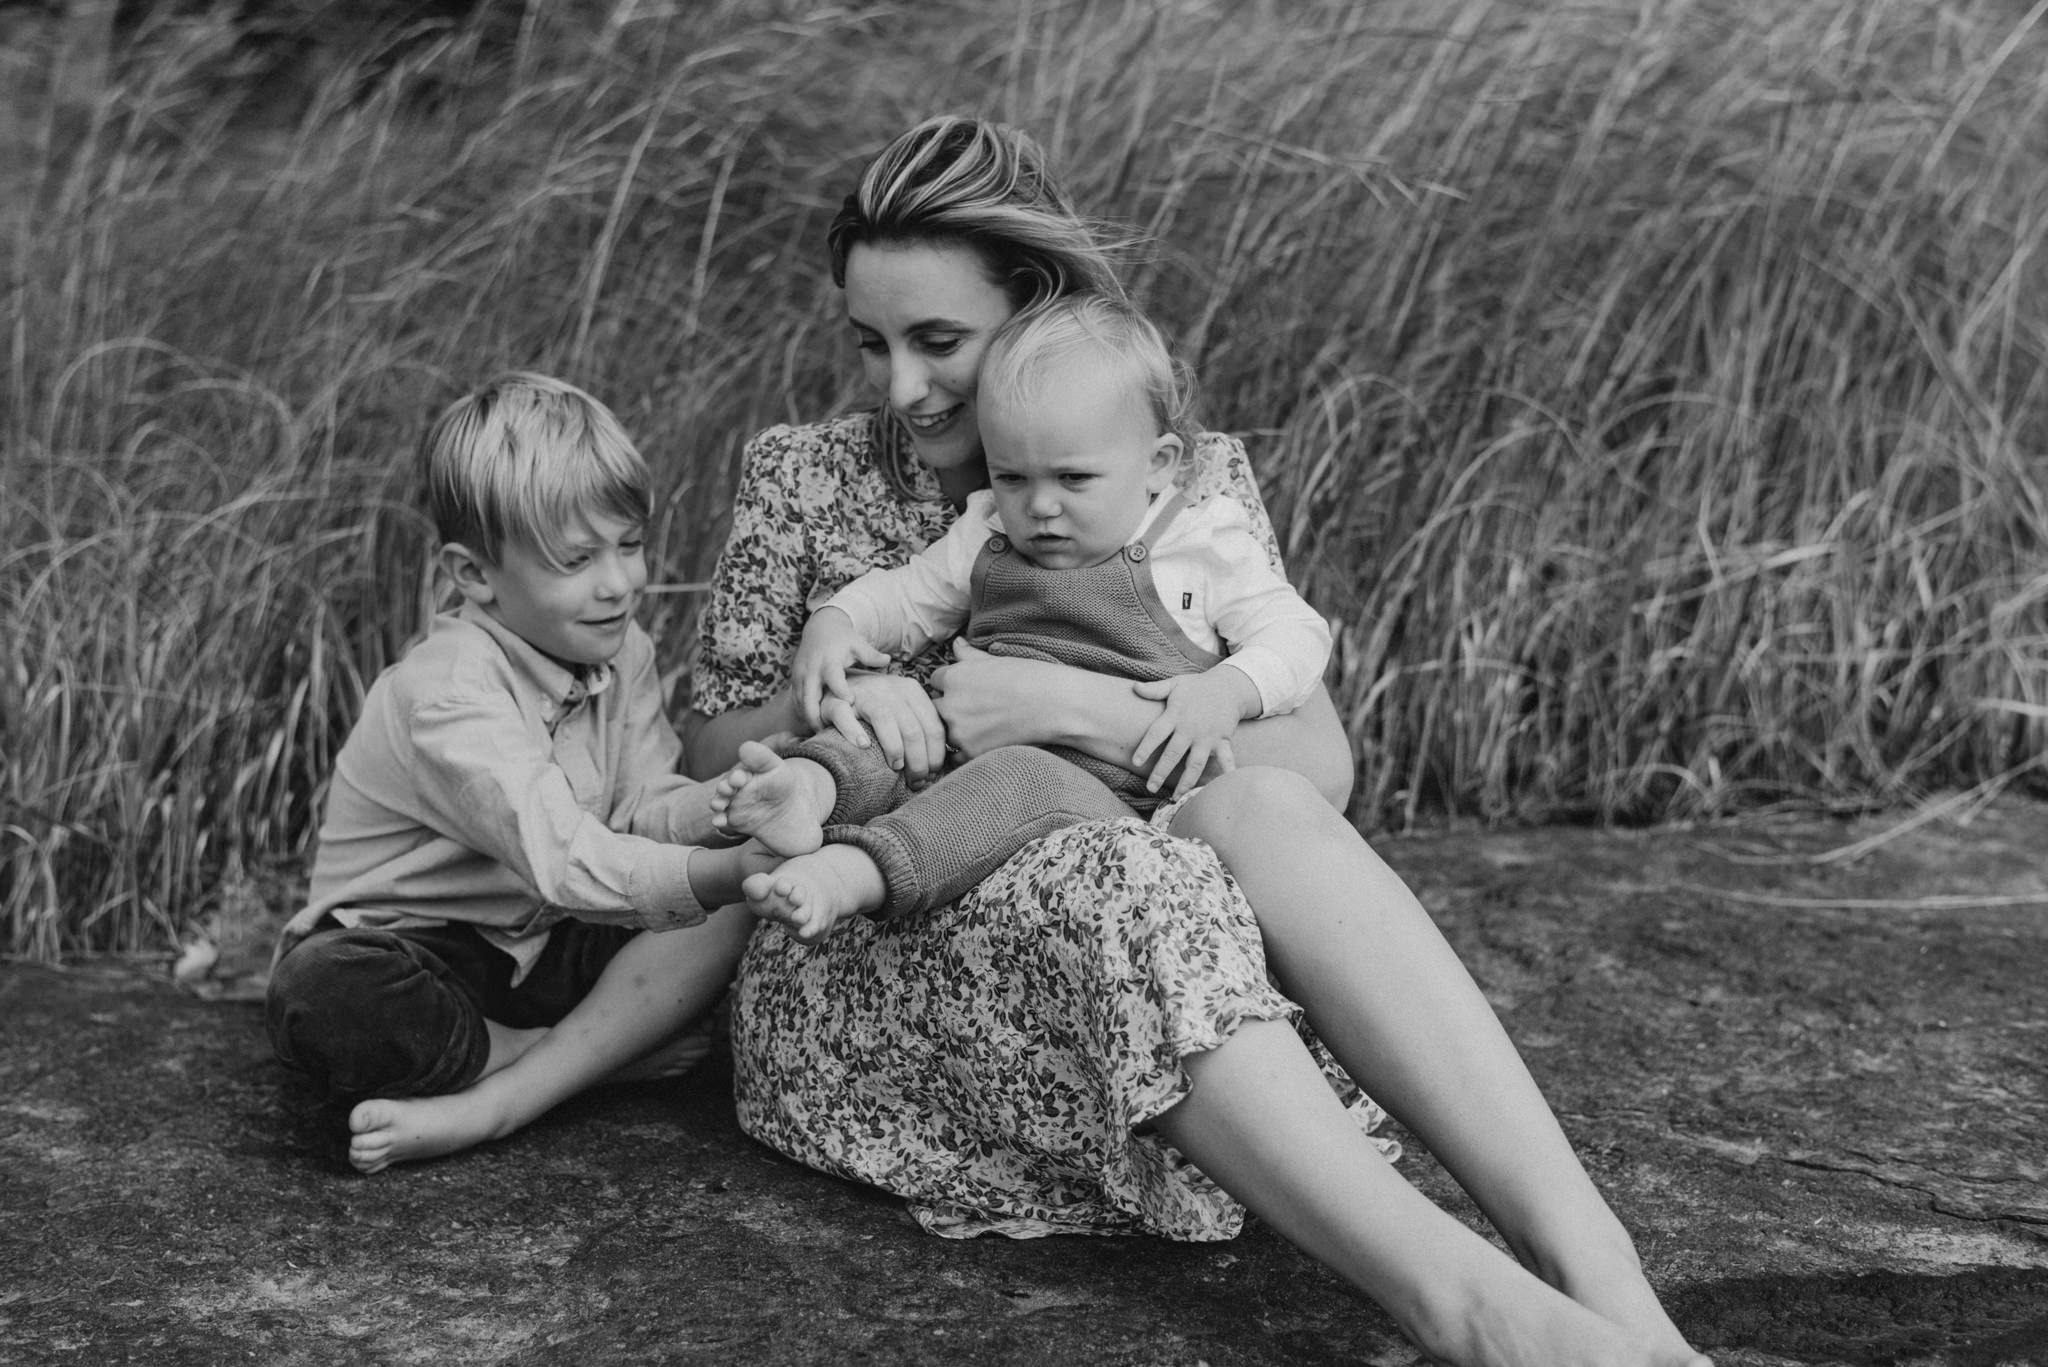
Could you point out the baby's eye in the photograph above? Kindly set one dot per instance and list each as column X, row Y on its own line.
column 1007, row 481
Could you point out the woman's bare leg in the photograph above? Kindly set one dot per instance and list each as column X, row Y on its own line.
column 1263, row 1124
column 1348, row 940
column 652, row 989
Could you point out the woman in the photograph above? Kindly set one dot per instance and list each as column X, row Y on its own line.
column 1043, row 1053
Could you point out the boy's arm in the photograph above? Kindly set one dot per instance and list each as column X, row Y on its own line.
column 649, row 796
column 484, row 776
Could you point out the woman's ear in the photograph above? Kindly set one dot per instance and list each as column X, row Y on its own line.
column 1166, row 456
column 468, row 571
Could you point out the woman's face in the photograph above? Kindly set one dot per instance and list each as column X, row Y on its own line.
column 923, row 314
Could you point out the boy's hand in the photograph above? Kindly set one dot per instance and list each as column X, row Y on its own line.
column 1201, row 712
column 830, row 646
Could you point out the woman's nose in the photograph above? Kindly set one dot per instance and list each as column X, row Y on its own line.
column 909, row 381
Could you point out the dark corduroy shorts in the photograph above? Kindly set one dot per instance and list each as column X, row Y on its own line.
column 401, row 1012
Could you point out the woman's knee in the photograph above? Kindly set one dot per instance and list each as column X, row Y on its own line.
column 1258, row 799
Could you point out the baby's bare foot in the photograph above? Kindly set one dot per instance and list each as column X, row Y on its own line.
column 810, row 894
column 780, row 803
column 403, row 1130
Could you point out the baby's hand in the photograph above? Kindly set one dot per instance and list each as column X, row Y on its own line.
column 830, row 646
column 1202, row 710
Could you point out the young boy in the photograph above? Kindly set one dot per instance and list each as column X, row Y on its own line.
column 513, row 894
column 1082, row 552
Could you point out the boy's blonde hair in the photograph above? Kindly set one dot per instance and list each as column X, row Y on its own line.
column 1107, row 332
column 520, row 458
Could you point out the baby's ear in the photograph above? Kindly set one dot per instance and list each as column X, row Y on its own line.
column 1166, row 456
column 466, row 568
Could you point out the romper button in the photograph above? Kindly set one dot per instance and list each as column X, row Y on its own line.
column 998, row 543
column 1136, row 553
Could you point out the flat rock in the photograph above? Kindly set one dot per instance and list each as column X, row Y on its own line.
column 1805, row 1058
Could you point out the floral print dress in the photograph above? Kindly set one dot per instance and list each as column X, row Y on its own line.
column 997, row 1063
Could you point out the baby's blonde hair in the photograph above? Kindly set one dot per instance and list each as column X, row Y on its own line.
column 517, row 460
column 1108, row 332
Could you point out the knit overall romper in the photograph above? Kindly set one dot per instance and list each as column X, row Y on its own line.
column 934, row 844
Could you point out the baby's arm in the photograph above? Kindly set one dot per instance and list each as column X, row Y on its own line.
column 831, row 645
column 1201, row 712
column 1270, row 632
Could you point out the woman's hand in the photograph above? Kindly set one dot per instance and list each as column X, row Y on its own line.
column 988, row 700
column 900, row 718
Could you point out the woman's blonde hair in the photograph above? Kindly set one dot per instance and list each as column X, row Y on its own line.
column 987, row 187
column 1112, row 335
column 518, row 460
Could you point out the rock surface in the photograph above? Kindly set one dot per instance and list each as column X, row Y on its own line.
column 1812, row 1084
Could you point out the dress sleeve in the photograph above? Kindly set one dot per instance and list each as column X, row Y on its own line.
column 755, row 614
column 1221, row 466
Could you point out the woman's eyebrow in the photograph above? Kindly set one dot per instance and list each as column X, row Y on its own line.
column 936, row 323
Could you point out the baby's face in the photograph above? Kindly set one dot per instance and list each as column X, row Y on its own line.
column 1074, row 470
column 578, row 613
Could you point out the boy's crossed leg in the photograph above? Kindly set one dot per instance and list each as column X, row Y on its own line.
column 635, row 1022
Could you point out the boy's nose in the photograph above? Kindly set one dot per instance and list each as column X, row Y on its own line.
column 617, row 579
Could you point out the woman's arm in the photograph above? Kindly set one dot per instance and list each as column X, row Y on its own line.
column 711, row 745
column 988, row 701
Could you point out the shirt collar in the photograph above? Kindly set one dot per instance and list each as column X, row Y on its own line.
column 562, row 685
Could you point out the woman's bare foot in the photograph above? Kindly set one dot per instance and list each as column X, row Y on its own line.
column 809, row 894
column 673, row 1057
column 781, row 803
column 1613, row 1287
column 1527, row 1324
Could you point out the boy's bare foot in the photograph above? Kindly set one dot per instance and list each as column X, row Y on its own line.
column 389, row 1130
column 809, row 894
column 781, row 803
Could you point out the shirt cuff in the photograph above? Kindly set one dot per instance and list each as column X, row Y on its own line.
column 1279, row 689
column 660, row 889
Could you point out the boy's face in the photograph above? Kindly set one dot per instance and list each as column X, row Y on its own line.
column 578, row 614
column 1074, row 471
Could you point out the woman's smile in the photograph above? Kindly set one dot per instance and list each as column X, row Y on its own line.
column 922, row 315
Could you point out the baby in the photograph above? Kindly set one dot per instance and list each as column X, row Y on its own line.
column 1082, row 552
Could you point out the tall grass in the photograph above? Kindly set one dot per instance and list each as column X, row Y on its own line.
column 1653, row 392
